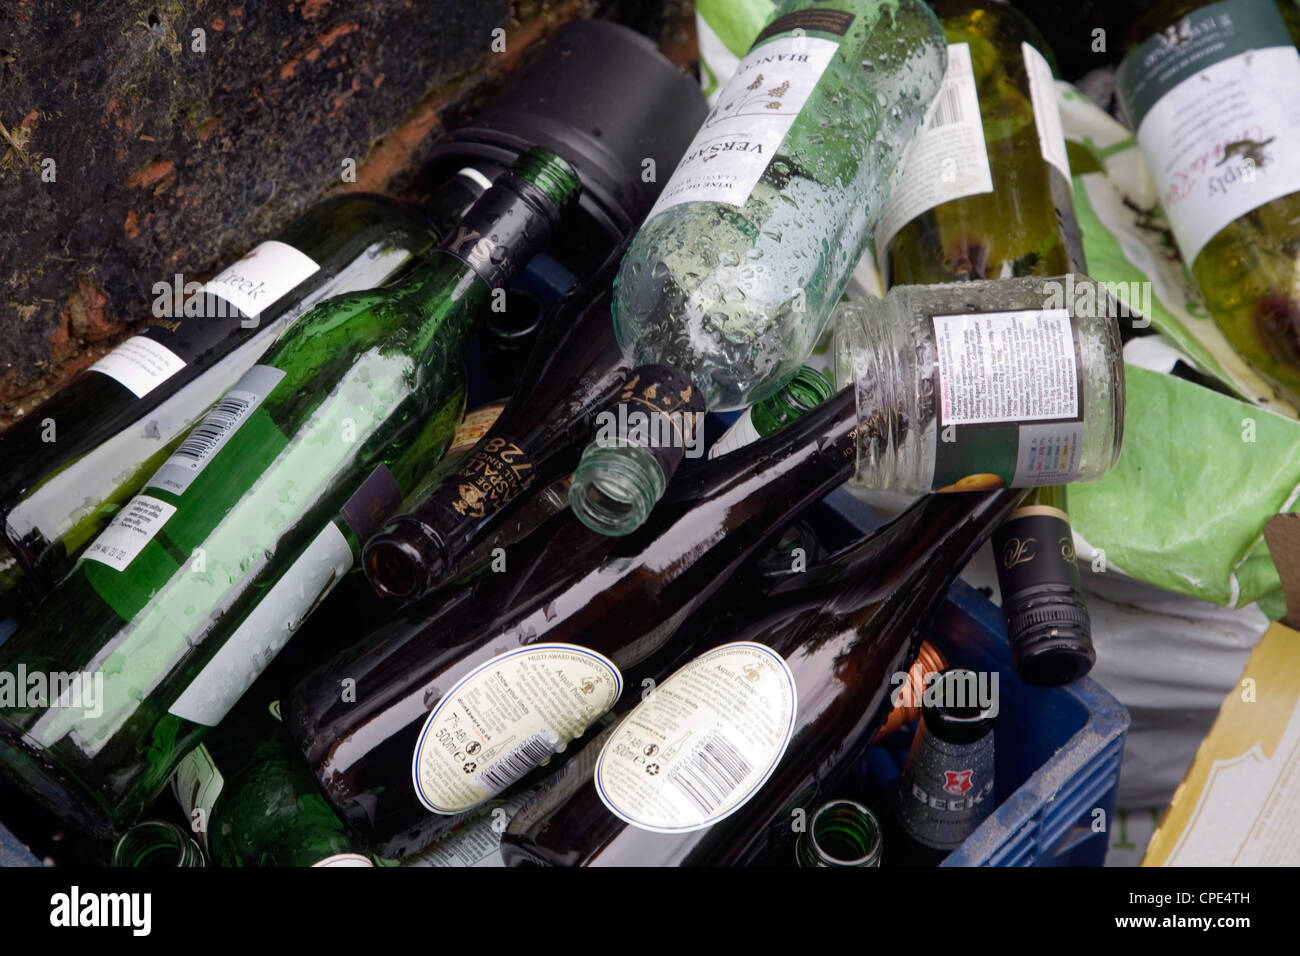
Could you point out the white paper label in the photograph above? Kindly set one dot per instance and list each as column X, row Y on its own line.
column 269, row 271
column 697, row 749
column 196, row 784
column 949, row 158
column 208, row 437
column 741, row 134
column 1047, row 111
column 130, row 530
column 741, row 433
column 140, row 365
column 506, row 717
column 240, row 661
column 1006, row 366
column 1224, row 142
column 345, row 859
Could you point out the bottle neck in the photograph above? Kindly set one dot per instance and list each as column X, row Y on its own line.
column 156, row 843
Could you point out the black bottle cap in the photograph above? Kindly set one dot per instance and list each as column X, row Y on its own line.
column 604, row 98
column 1050, row 634
column 957, row 716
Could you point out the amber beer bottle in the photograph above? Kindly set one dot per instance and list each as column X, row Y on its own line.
column 726, row 746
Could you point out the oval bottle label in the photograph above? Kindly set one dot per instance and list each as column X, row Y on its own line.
column 506, row 717
column 703, row 743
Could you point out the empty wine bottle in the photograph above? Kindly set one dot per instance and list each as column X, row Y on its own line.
column 946, row 789
column 1042, row 595
column 470, row 688
column 977, row 385
column 732, row 278
column 790, row 691
column 1210, row 90
column 576, row 370
column 1005, row 210
column 248, row 796
column 74, row 460
column 200, row 580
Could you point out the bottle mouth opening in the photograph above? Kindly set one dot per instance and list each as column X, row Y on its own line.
column 396, row 568
column 615, row 487
column 155, row 843
column 1051, row 663
column 844, row 833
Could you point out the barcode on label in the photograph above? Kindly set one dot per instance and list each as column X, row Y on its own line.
column 947, row 108
column 711, row 773
column 207, row 436
column 503, row 772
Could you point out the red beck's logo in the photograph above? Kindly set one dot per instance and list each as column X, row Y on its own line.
column 957, row 782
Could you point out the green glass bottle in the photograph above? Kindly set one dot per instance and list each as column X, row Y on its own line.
column 201, row 579
column 808, row 389
column 1210, row 89
column 251, row 799
column 157, row 843
column 840, row 833
column 732, row 278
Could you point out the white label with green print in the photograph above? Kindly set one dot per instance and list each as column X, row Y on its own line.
column 130, row 530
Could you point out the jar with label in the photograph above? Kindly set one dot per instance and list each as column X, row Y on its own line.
column 1011, row 383
column 1210, row 89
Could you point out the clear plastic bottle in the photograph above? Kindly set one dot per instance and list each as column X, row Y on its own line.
column 979, row 385
column 732, row 278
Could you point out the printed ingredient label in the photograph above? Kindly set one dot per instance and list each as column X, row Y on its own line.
column 130, row 530
column 949, row 158
column 506, row 717
column 1047, row 111
column 266, row 629
column 212, row 432
column 140, row 365
column 268, row 272
column 704, row 742
column 1006, row 366
column 477, row 842
column 741, row 134
column 1214, row 102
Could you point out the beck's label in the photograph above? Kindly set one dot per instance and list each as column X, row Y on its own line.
column 1213, row 100
column 507, row 716
column 703, row 743
column 755, row 111
column 1010, row 400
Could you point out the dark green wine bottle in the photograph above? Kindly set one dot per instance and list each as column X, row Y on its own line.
column 200, row 579
column 73, row 461
column 251, row 800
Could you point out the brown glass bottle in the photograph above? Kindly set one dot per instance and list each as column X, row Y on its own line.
column 609, row 603
column 576, row 369
column 843, row 630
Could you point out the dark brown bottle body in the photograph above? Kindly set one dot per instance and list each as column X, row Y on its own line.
column 843, row 633
column 622, row 598
column 575, row 371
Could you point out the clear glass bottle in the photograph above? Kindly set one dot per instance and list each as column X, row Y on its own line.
column 1039, row 399
column 732, row 277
